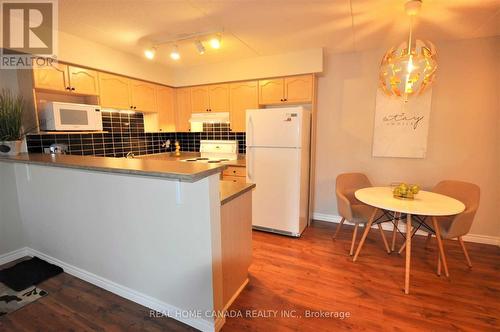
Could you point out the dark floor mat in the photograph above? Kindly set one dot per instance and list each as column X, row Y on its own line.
column 28, row 273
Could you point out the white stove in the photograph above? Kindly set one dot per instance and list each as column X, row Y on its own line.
column 213, row 152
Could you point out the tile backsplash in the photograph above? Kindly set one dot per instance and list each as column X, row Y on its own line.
column 126, row 134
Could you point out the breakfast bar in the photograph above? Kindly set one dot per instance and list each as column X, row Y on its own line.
column 166, row 234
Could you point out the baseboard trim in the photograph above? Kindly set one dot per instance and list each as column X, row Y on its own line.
column 476, row 238
column 126, row 292
column 13, row 255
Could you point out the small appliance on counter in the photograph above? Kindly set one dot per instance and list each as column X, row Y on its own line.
column 213, row 152
column 70, row 117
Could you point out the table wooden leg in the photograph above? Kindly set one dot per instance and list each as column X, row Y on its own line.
column 365, row 233
column 440, row 246
column 408, row 253
column 394, row 231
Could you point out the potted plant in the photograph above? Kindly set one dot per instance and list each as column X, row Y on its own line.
column 11, row 118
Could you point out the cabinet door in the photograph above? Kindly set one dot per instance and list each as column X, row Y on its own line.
column 299, row 89
column 84, row 81
column 51, row 77
column 199, row 99
column 165, row 108
column 114, row 91
column 242, row 96
column 183, row 108
column 271, row 91
column 143, row 96
column 218, row 97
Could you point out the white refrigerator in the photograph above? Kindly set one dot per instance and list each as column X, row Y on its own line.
column 277, row 154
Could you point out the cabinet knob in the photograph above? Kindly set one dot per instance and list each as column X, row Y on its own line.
column 282, row 99
column 285, row 99
column 72, row 89
column 68, row 88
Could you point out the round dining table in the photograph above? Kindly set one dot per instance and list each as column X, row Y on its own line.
column 425, row 203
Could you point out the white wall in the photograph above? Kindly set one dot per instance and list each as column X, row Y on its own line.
column 464, row 126
column 11, row 228
column 150, row 236
column 294, row 63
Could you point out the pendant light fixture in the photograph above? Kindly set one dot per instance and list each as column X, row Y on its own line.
column 408, row 69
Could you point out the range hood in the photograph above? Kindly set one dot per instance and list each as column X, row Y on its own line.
column 198, row 119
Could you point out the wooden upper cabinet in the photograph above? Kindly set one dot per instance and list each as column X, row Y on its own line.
column 84, row 81
column 292, row 90
column 114, row 91
column 200, row 101
column 242, row 96
column 53, row 77
column 218, row 97
column 183, row 108
column 142, row 96
column 271, row 91
column 165, row 105
column 299, row 89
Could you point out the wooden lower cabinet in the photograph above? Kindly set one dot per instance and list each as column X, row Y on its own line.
column 235, row 174
column 236, row 245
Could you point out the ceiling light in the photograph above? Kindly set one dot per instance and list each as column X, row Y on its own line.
column 150, row 53
column 409, row 68
column 215, row 42
column 175, row 55
column 199, row 47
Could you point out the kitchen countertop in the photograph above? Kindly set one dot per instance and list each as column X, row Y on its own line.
column 229, row 190
column 167, row 169
column 240, row 162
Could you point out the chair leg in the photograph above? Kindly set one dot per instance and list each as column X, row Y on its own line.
column 386, row 245
column 462, row 244
column 429, row 236
column 394, row 233
column 353, row 239
column 338, row 228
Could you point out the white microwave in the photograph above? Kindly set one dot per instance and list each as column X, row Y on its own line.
column 70, row 117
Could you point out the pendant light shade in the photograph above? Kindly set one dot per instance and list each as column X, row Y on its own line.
column 408, row 69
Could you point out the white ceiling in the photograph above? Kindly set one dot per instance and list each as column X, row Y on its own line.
column 265, row 27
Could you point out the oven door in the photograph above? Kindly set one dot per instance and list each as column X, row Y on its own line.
column 77, row 117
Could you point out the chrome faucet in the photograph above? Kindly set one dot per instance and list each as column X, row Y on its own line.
column 130, row 155
column 165, row 144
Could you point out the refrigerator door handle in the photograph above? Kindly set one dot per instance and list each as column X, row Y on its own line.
column 250, row 164
column 250, row 129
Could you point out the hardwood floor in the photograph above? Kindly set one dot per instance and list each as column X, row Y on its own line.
column 313, row 273
column 317, row 274
column 75, row 305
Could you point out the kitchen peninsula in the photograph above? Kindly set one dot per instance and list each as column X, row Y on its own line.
column 166, row 234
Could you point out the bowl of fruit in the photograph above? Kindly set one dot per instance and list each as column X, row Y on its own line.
column 405, row 191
